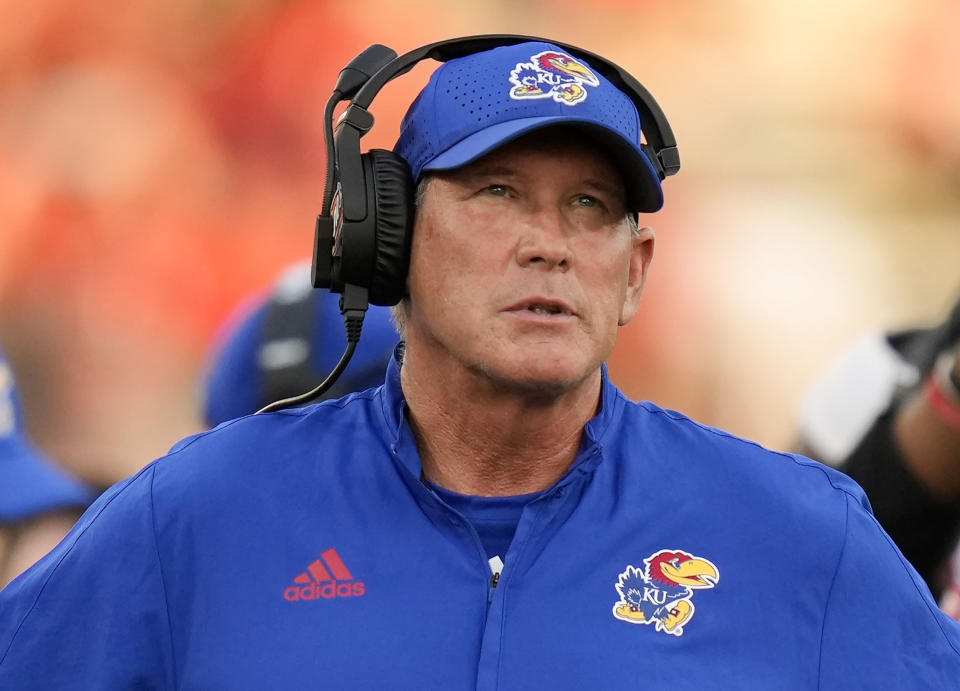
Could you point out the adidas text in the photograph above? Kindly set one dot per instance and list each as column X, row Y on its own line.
column 326, row 591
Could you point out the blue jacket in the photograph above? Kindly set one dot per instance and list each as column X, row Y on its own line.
column 300, row 549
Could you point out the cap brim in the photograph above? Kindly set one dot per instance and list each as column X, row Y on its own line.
column 640, row 180
column 30, row 484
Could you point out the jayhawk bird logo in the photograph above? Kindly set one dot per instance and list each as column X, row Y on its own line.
column 552, row 75
column 661, row 593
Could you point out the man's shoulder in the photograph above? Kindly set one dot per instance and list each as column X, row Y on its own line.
column 694, row 448
column 798, row 512
column 270, row 446
column 280, row 430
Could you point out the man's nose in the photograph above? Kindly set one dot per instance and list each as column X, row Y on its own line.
column 544, row 240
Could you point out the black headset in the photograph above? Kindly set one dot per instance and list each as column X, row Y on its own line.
column 362, row 243
column 363, row 234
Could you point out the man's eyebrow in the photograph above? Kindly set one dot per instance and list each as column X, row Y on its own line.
column 500, row 170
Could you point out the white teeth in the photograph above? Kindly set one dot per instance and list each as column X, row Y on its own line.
column 544, row 309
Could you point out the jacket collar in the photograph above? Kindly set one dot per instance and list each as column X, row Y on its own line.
column 403, row 445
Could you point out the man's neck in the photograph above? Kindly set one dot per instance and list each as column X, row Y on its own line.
column 475, row 437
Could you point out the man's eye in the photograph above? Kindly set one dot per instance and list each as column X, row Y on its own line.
column 498, row 190
column 587, row 200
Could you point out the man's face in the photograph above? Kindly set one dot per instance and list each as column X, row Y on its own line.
column 523, row 263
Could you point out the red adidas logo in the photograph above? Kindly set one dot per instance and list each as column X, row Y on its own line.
column 317, row 582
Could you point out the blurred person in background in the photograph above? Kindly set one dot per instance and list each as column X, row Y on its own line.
column 39, row 502
column 888, row 414
column 284, row 343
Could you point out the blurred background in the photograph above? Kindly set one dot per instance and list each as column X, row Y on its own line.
column 161, row 162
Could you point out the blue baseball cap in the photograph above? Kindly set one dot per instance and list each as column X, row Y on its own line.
column 30, row 483
column 284, row 343
column 477, row 103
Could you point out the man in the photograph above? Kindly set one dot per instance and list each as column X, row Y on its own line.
column 498, row 514
column 39, row 502
column 284, row 343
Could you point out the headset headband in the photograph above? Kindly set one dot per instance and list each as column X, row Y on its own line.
column 364, row 77
column 666, row 158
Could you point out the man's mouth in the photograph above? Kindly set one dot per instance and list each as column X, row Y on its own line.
column 543, row 307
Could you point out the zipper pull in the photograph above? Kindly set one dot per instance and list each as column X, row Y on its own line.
column 496, row 567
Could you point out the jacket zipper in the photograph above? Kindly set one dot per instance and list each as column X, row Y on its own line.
column 496, row 568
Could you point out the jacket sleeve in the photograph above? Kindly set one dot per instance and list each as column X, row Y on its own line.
column 92, row 614
column 882, row 628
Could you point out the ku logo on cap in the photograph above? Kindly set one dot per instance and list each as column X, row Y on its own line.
column 552, row 75
column 661, row 594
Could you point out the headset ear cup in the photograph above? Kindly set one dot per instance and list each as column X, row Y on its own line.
column 393, row 190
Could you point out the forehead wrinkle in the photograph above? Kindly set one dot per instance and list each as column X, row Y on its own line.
column 486, row 168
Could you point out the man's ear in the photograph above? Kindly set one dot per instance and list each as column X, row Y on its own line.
column 641, row 256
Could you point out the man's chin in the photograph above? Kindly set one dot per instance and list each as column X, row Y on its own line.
column 536, row 380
